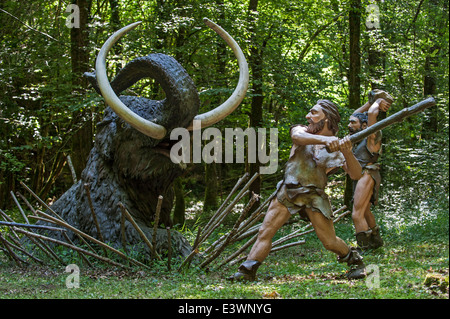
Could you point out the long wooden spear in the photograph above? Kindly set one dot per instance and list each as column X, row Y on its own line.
column 394, row 118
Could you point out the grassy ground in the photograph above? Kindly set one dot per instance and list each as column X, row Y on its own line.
column 413, row 265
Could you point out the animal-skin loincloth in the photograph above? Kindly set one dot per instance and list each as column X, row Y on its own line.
column 297, row 199
column 305, row 178
column 368, row 161
column 374, row 171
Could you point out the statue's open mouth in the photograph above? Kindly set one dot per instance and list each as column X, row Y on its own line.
column 164, row 147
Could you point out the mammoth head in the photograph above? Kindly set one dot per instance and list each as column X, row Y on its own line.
column 180, row 107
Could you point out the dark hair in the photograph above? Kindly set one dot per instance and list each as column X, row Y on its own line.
column 331, row 113
column 362, row 117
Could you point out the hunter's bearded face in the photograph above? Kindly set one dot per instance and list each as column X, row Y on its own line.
column 354, row 125
column 316, row 119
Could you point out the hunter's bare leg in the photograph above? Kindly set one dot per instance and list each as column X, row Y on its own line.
column 361, row 202
column 325, row 232
column 277, row 215
column 367, row 231
column 324, row 229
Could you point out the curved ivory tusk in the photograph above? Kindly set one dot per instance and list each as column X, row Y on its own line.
column 144, row 126
column 220, row 112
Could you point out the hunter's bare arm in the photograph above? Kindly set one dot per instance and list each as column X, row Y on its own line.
column 299, row 136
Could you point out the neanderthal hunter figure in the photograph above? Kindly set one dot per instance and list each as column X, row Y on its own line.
column 302, row 189
column 367, row 187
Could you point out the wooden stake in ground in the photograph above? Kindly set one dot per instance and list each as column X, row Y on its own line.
column 187, row 261
column 13, row 226
column 122, row 230
column 72, row 169
column 39, row 243
column 94, row 216
column 11, row 254
column 218, row 217
column 213, row 225
column 169, row 249
column 155, row 224
column 236, row 186
column 139, row 230
column 17, row 246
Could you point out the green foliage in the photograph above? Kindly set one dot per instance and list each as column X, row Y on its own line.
column 303, row 48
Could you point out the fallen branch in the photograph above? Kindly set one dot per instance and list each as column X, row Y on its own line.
column 75, row 230
column 107, row 260
column 11, row 224
column 227, row 240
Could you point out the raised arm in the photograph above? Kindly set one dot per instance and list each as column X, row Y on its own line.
column 363, row 108
column 379, row 105
column 299, row 136
column 374, row 98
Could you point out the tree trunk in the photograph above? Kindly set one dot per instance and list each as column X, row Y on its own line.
column 255, row 63
column 376, row 55
column 210, row 201
column 354, row 71
column 211, row 181
column 114, row 26
column 430, row 124
column 82, row 139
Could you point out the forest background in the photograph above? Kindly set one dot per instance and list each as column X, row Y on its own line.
column 298, row 52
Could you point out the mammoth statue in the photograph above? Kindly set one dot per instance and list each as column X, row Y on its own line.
column 129, row 163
